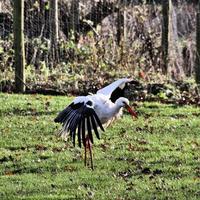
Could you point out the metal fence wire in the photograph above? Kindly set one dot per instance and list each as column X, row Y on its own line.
column 99, row 35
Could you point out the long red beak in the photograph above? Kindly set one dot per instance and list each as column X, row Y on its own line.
column 131, row 111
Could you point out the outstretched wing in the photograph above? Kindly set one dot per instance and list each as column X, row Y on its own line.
column 79, row 119
column 116, row 89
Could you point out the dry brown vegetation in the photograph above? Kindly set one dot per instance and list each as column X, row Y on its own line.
column 98, row 41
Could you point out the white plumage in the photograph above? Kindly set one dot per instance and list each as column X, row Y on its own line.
column 108, row 90
column 86, row 114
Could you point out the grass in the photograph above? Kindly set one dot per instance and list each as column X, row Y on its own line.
column 156, row 156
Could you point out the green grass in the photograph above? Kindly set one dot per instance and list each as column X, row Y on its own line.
column 156, row 156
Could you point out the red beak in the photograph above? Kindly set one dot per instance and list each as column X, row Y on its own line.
column 131, row 111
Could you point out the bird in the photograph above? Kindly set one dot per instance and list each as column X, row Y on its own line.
column 86, row 115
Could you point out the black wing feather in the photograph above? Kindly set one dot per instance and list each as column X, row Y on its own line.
column 79, row 133
column 62, row 114
column 76, row 118
column 94, row 126
column 73, row 126
column 67, row 116
column 73, row 135
column 98, row 121
column 83, row 131
column 118, row 92
column 89, row 129
column 68, row 122
column 74, row 122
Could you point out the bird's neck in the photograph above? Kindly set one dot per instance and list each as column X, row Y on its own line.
column 115, row 110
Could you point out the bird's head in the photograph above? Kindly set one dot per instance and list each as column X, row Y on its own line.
column 124, row 102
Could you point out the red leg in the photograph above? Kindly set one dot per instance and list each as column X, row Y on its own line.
column 88, row 145
column 90, row 150
column 85, row 154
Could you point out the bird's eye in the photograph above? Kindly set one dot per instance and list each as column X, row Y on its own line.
column 89, row 103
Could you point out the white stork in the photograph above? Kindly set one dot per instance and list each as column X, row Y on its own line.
column 87, row 114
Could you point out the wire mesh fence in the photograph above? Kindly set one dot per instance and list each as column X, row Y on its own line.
column 75, row 40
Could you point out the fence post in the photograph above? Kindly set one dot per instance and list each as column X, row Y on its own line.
column 197, row 67
column 54, row 29
column 19, row 56
column 165, row 33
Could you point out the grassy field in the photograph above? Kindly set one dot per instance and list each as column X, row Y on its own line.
column 156, row 156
